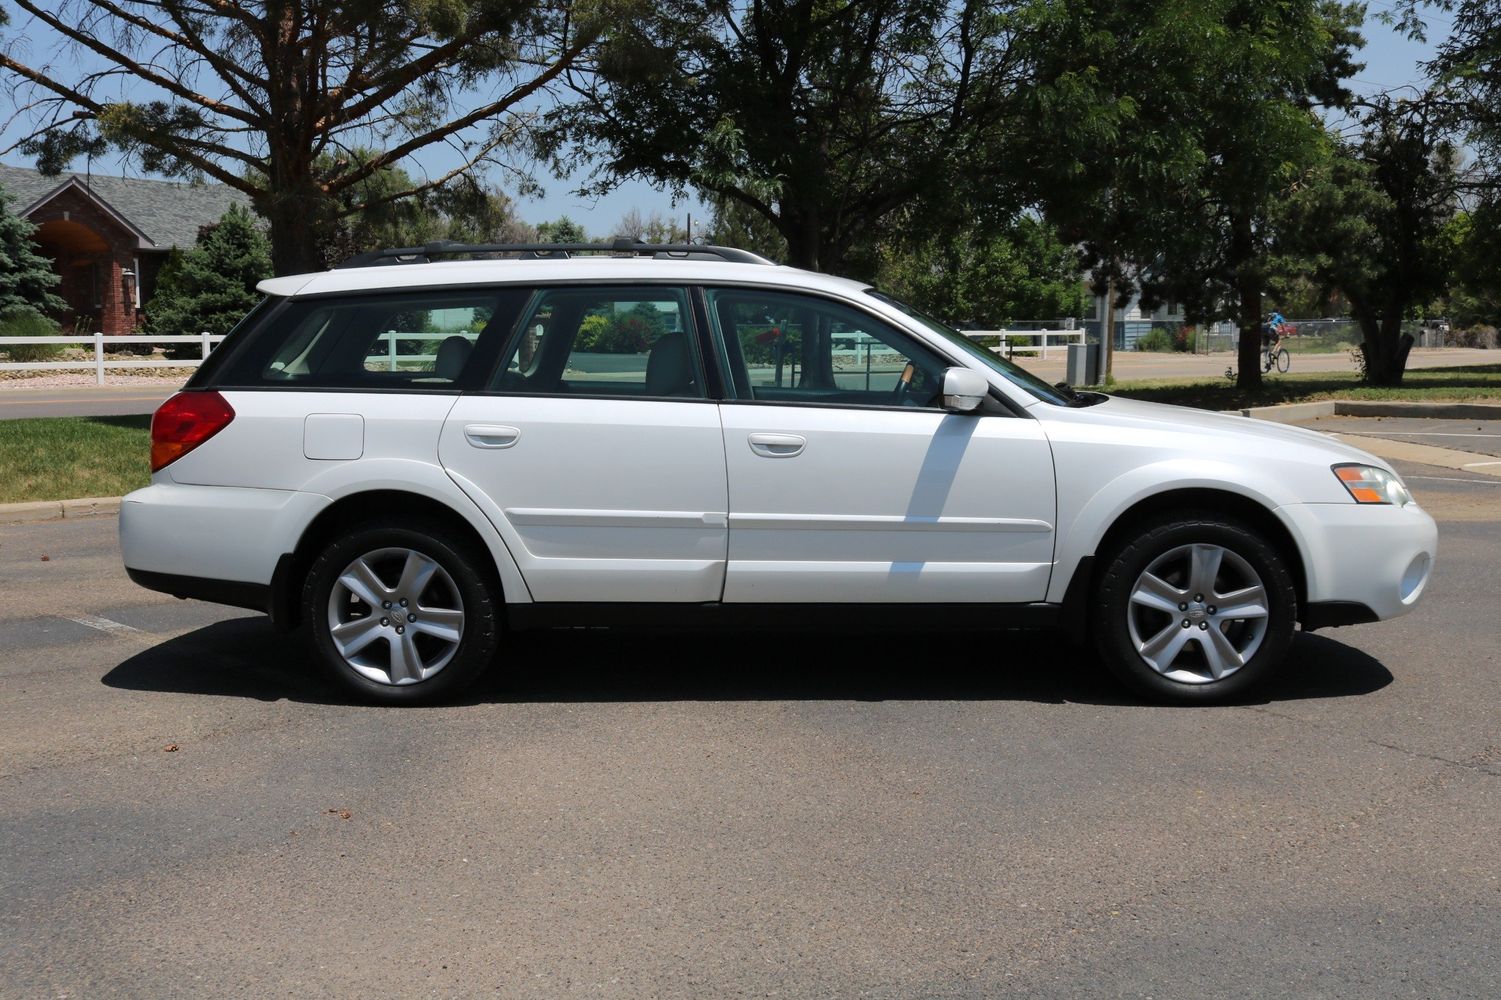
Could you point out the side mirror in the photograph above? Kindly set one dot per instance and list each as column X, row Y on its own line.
column 964, row 390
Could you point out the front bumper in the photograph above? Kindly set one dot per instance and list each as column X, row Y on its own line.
column 1378, row 557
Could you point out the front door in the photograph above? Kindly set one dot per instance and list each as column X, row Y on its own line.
column 595, row 451
column 847, row 481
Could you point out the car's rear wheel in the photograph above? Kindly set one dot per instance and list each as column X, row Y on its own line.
column 398, row 615
column 1194, row 608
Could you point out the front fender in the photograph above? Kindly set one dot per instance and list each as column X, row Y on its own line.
column 1081, row 531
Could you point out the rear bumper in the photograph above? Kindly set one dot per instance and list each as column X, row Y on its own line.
column 221, row 535
column 252, row 596
column 1362, row 562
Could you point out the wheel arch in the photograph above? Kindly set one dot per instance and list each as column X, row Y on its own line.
column 374, row 504
column 1078, row 590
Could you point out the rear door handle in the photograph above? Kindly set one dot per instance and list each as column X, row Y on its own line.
column 778, row 445
column 491, row 435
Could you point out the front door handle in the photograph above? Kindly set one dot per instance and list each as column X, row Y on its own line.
column 491, row 435
column 778, row 445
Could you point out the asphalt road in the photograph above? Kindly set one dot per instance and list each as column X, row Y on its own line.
column 706, row 816
column 84, row 401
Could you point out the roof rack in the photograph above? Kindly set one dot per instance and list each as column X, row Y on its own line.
column 551, row 251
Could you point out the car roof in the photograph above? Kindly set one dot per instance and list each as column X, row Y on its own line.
column 447, row 274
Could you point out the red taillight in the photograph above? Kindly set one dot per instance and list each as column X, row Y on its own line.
column 184, row 422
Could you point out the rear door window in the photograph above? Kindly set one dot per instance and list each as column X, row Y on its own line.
column 606, row 341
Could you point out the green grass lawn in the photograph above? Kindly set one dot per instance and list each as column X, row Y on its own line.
column 59, row 458
column 1472, row 384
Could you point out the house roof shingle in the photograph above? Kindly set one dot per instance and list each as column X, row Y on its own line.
column 170, row 213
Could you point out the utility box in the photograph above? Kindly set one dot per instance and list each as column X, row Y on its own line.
column 1084, row 364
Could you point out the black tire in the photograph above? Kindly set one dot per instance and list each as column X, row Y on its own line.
column 1284, row 361
column 1160, row 539
column 474, row 586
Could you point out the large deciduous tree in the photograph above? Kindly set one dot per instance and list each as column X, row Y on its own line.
column 274, row 97
column 1178, row 130
column 820, row 116
column 985, row 276
column 1374, row 223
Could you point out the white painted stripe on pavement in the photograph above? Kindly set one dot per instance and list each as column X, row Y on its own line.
column 1426, row 434
column 1454, row 479
column 102, row 624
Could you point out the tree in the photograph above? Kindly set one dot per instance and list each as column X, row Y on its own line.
column 822, row 118
column 732, row 223
column 1475, row 242
column 274, row 98
column 1173, row 134
column 561, row 230
column 985, row 277
column 463, row 210
column 212, row 285
column 1375, row 223
column 27, row 279
column 653, row 228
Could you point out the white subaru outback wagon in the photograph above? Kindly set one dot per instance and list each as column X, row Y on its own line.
column 410, row 456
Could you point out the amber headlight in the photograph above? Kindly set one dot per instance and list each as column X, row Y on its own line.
column 1368, row 484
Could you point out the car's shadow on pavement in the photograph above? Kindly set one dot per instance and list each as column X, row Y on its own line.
column 246, row 658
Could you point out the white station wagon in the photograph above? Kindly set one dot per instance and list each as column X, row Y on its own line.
column 411, row 457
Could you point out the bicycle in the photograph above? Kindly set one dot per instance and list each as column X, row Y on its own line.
column 1274, row 355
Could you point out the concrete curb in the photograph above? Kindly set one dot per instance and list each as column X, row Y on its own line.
column 52, row 510
column 1290, row 413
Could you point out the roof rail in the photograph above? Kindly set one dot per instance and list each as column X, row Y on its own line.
column 562, row 251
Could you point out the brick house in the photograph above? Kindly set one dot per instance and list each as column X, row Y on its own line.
column 109, row 236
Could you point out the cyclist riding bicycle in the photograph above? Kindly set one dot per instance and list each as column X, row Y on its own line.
column 1271, row 341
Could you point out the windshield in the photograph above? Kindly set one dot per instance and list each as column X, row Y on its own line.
column 1014, row 374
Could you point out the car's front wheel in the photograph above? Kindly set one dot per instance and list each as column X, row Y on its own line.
column 398, row 615
column 1194, row 608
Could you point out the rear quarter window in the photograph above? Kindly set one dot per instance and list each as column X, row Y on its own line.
column 411, row 340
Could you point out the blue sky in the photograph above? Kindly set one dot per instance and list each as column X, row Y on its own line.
column 1391, row 62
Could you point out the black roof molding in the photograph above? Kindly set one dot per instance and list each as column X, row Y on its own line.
column 551, row 251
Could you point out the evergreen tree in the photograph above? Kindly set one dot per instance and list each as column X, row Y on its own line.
column 212, row 286
column 561, row 230
column 26, row 277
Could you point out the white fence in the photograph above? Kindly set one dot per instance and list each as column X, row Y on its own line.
column 1039, row 340
column 99, row 363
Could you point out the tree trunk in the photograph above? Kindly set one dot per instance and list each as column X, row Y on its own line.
column 294, row 210
column 1248, row 287
column 1384, row 346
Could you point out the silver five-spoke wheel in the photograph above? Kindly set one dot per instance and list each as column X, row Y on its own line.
column 395, row 616
column 1198, row 613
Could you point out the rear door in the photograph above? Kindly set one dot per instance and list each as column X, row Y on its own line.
column 849, row 483
column 596, row 451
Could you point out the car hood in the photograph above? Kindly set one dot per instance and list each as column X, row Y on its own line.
column 1162, row 416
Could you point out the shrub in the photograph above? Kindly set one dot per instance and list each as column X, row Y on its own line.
column 1155, row 339
column 24, row 322
column 591, row 331
column 1476, row 336
column 623, row 333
